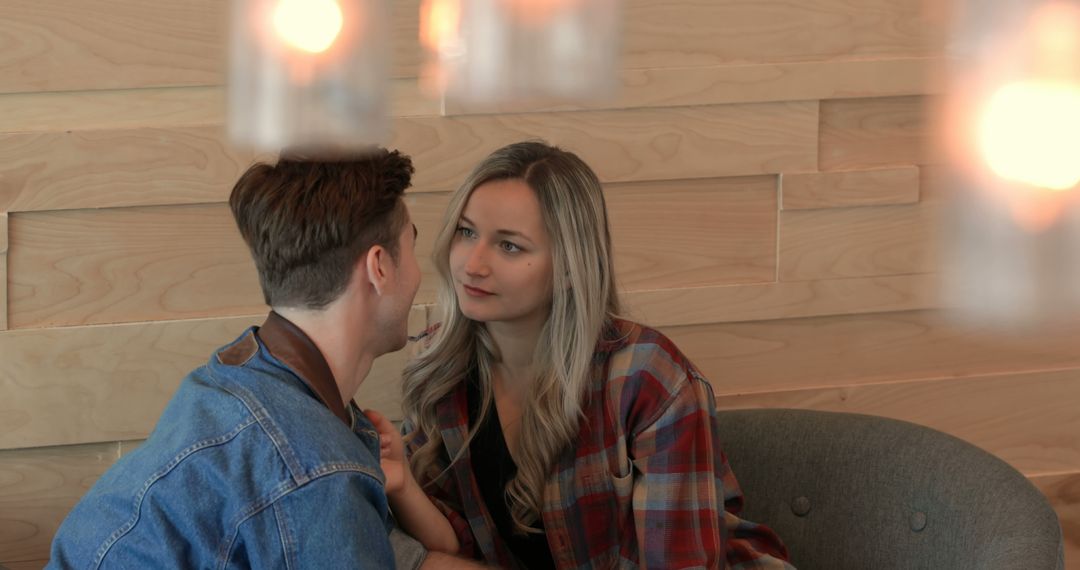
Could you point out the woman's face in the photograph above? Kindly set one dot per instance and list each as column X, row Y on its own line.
column 500, row 258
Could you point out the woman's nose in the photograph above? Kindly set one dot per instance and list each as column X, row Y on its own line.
column 476, row 265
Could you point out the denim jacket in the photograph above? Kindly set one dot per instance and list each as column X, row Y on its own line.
column 255, row 463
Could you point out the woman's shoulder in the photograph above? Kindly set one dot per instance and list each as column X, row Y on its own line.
column 646, row 373
column 622, row 338
column 640, row 357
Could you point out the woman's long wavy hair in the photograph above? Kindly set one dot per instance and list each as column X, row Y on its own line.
column 583, row 302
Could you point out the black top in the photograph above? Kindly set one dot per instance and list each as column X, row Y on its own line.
column 494, row 467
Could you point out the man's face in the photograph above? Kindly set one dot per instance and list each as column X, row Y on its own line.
column 398, row 303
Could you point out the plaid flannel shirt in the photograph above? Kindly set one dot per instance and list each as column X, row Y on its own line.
column 645, row 484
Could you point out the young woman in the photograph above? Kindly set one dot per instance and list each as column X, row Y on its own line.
column 548, row 431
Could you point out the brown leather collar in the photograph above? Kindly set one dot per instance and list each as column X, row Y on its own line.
column 293, row 347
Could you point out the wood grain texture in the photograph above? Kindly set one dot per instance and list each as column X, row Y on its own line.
column 704, row 32
column 82, row 267
column 878, row 187
column 3, row 292
column 37, row 489
column 706, row 232
column 118, row 44
column 70, row 45
column 172, row 107
column 3, row 271
column 1063, row 492
column 162, row 107
column 137, row 167
column 992, row 412
column 133, row 264
column 75, row 385
column 624, row 145
column 862, row 133
column 748, row 83
column 769, row 301
column 55, row 45
column 407, row 57
column 90, row 384
column 859, row 242
column 864, row 349
column 112, row 168
column 129, row 264
column 62, row 111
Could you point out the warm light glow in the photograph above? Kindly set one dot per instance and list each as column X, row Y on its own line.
column 1012, row 125
column 439, row 23
column 537, row 12
column 1029, row 128
column 308, row 25
column 440, row 30
column 1030, row 133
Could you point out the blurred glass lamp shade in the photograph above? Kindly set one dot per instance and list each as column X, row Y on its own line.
column 506, row 51
column 307, row 75
column 1012, row 131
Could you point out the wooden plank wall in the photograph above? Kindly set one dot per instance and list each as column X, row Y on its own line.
column 771, row 188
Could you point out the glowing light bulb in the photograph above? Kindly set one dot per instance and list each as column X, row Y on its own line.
column 439, row 23
column 308, row 25
column 1029, row 132
column 1009, row 250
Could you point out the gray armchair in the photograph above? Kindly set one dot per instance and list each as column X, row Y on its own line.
column 849, row 491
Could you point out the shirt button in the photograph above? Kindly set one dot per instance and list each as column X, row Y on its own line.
column 918, row 521
column 800, row 506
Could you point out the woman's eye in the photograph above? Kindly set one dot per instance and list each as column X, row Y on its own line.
column 465, row 232
column 509, row 247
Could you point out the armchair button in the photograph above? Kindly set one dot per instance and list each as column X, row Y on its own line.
column 918, row 521
column 800, row 506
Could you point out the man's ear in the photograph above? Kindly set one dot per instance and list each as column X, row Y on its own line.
column 379, row 267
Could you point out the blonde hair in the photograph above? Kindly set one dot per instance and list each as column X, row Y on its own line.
column 584, row 301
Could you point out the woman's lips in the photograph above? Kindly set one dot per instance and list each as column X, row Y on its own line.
column 476, row 292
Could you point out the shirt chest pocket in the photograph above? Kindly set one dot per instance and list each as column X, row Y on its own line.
column 623, row 481
column 609, row 474
column 621, row 472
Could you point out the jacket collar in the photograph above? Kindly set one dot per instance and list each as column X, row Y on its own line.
column 295, row 349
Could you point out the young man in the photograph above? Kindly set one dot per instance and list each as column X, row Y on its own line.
column 261, row 459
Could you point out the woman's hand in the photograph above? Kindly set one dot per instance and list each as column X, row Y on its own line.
column 415, row 512
column 391, row 454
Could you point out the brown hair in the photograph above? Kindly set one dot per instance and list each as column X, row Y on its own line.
column 306, row 222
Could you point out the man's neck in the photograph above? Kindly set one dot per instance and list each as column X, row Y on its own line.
column 341, row 341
